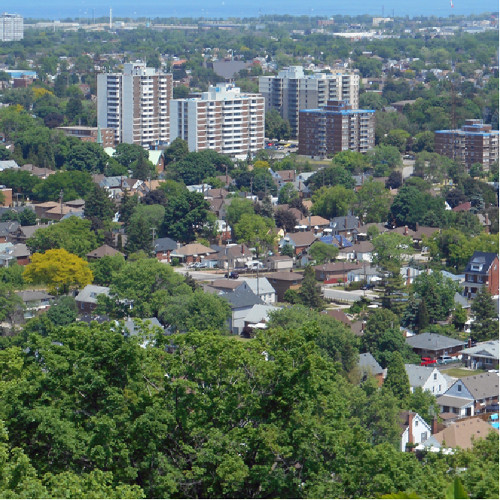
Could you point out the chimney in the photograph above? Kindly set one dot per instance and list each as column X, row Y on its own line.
column 410, row 427
column 406, row 231
column 416, row 226
column 434, row 425
column 469, row 343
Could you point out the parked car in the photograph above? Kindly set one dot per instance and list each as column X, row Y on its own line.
column 233, row 275
column 443, row 360
column 427, row 361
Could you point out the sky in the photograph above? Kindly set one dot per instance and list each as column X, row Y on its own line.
column 86, row 9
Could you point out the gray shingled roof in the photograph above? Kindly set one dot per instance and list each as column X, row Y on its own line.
column 31, row 295
column 418, row 375
column 368, row 363
column 487, row 349
column 90, row 292
column 264, row 285
column 484, row 385
column 432, row 341
column 453, row 401
column 241, row 297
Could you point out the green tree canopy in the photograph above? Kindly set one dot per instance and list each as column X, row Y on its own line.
column 72, row 234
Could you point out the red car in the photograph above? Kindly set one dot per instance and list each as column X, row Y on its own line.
column 428, row 361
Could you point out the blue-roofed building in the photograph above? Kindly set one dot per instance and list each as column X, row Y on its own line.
column 475, row 142
column 335, row 127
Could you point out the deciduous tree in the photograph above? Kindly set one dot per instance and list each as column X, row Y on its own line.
column 59, row 270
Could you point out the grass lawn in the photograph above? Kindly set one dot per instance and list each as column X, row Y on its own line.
column 461, row 372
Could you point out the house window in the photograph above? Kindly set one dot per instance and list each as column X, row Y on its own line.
column 459, row 388
column 416, row 423
column 435, row 376
column 423, row 437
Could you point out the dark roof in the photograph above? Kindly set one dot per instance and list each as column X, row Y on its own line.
column 103, row 251
column 480, row 262
column 8, row 227
column 241, row 297
column 338, row 267
column 344, row 223
column 164, row 244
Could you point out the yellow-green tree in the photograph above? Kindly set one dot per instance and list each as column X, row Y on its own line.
column 59, row 270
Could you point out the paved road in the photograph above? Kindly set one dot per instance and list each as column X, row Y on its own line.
column 339, row 294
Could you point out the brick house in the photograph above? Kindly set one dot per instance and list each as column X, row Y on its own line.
column 481, row 271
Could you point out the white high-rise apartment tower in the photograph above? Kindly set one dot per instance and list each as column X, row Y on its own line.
column 223, row 119
column 135, row 104
column 11, row 27
column 292, row 91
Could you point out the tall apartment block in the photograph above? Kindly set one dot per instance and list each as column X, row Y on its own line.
column 292, row 91
column 336, row 127
column 475, row 142
column 223, row 119
column 135, row 104
column 11, row 27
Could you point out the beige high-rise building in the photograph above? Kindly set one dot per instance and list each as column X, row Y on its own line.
column 11, row 27
column 292, row 91
column 135, row 104
column 223, row 119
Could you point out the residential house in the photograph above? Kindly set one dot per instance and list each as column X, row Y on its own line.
column 192, row 252
column 314, row 223
column 35, row 302
column 300, row 241
column 462, row 433
column 428, row 378
column 368, row 366
column 470, row 395
column 415, row 429
column 279, row 263
column 282, row 281
column 258, row 317
column 23, row 233
column 232, row 256
column 484, row 355
column 262, row 288
column 335, row 272
column 346, row 226
column 86, row 300
column 7, row 229
column 22, row 254
column 103, row 251
column 363, row 251
column 241, row 302
column 433, row 345
column 228, row 285
column 164, row 247
column 481, row 271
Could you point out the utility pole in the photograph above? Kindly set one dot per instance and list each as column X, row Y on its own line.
column 153, row 231
column 61, row 194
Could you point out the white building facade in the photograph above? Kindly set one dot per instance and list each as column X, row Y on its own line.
column 11, row 27
column 223, row 119
column 135, row 104
column 292, row 91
